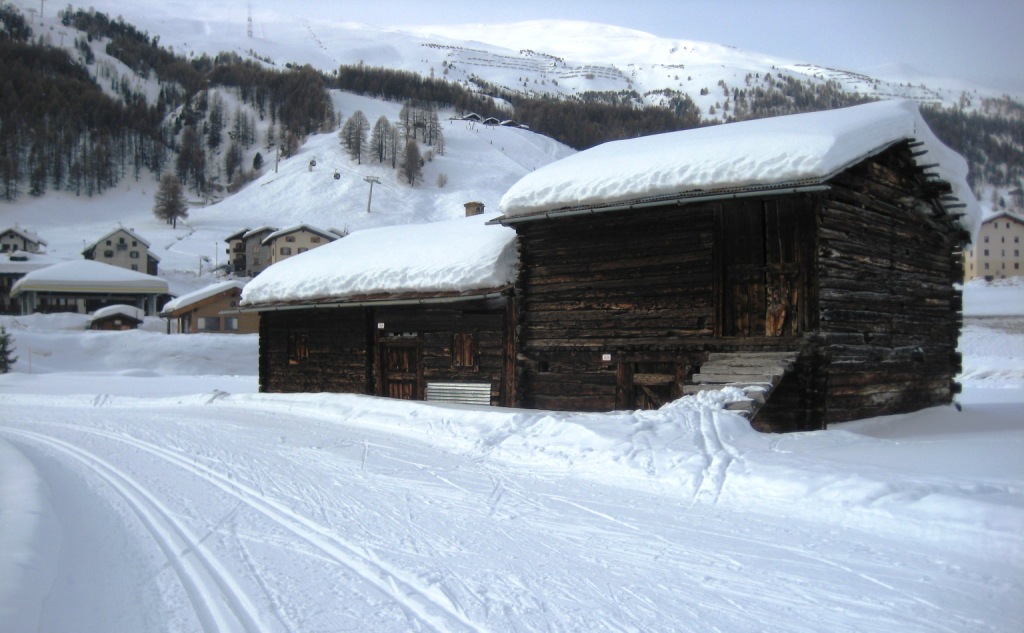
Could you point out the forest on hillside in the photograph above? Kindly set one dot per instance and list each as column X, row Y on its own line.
column 71, row 122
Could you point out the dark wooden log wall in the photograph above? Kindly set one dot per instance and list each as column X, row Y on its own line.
column 609, row 283
column 343, row 347
column 436, row 329
column 337, row 342
column 889, row 313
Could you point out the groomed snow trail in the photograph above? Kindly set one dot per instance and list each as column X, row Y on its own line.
column 273, row 520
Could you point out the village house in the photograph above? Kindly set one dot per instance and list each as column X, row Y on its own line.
column 256, row 256
column 284, row 243
column 996, row 252
column 808, row 260
column 417, row 312
column 15, row 239
column 122, row 247
column 116, row 318
column 236, row 252
column 85, row 286
column 210, row 309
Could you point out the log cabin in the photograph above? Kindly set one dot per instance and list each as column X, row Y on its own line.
column 810, row 261
column 416, row 312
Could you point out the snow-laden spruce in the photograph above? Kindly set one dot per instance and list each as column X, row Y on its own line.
column 776, row 152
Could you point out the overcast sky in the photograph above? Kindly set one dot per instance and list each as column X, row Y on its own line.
column 976, row 40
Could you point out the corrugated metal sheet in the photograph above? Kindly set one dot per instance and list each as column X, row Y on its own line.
column 460, row 392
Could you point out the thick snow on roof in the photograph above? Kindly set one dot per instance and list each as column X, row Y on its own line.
column 24, row 234
column 295, row 229
column 86, row 275
column 203, row 293
column 119, row 309
column 455, row 255
column 774, row 151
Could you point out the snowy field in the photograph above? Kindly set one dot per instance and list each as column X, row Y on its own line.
column 146, row 485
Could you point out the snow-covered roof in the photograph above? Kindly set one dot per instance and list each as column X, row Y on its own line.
column 23, row 262
column 237, row 235
column 199, row 295
column 24, row 234
column 461, row 256
column 1008, row 215
column 257, row 231
column 296, row 229
column 765, row 153
column 130, row 232
column 118, row 309
column 89, row 276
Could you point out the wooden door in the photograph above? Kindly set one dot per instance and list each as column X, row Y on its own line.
column 761, row 268
column 400, row 368
column 743, row 269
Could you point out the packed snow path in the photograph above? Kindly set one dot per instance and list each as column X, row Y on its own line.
column 212, row 513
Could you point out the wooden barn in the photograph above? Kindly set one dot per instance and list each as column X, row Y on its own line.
column 416, row 312
column 809, row 260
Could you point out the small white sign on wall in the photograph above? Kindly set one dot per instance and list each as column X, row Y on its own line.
column 606, row 358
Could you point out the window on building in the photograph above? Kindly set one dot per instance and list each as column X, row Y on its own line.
column 109, row 242
column 290, row 238
column 286, row 250
column 986, row 265
column 108, row 253
column 1016, row 239
column 986, row 252
column 298, row 348
column 986, row 239
column 209, row 324
column 134, row 254
column 134, row 243
column 314, row 240
column 230, row 324
column 1016, row 265
column 256, row 248
column 303, row 250
column 1016, row 252
column 135, row 266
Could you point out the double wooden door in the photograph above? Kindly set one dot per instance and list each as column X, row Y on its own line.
column 764, row 263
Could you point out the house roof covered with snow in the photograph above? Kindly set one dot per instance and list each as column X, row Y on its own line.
column 88, row 276
column 759, row 155
column 118, row 310
column 24, row 234
column 299, row 227
column 133, row 234
column 463, row 257
column 202, row 294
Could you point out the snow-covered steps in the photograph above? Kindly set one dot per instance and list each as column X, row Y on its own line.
column 755, row 373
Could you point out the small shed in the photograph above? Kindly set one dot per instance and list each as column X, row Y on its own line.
column 213, row 309
column 415, row 312
column 810, row 260
column 116, row 317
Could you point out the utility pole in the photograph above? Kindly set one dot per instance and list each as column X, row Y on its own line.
column 371, row 180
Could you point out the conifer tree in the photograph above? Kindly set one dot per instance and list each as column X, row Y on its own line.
column 169, row 203
column 411, row 167
column 7, row 357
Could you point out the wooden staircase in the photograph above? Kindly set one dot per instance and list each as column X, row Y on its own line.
column 754, row 373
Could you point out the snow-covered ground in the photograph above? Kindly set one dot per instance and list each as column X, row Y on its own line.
column 146, row 485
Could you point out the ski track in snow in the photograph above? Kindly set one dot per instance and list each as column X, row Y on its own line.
column 219, row 602
column 422, row 602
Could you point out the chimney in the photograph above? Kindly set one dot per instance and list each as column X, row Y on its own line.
column 474, row 208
